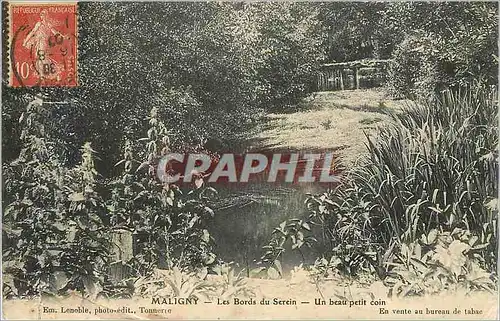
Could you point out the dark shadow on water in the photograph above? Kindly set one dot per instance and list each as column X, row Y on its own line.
column 247, row 215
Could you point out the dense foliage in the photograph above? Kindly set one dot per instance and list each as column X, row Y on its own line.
column 58, row 221
column 212, row 68
column 445, row 45
column 357, row 30
column 434, row 45
column 54, row 232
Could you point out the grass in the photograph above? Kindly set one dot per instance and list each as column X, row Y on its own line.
column 330, row 120
column 451, row 145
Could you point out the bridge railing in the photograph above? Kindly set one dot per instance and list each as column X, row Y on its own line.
column 352, row 75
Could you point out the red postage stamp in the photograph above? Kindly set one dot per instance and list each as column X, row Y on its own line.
column 43, row 40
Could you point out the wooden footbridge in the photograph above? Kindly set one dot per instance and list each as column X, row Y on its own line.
column 352, row 75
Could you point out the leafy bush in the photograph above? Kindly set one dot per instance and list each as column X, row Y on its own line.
column 356, row 30
column 442, row 45
column 344, row 236
column 58, row 221
column 438, row 262
column 89, row 229
column 210, row 69
column 53, row 218
column 295, row 233
column 285, row 52
column 414, row 71
column 169, row 223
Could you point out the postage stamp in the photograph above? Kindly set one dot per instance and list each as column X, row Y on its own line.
column 43, row 44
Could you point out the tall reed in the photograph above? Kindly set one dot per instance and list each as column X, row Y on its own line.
column 434, row 166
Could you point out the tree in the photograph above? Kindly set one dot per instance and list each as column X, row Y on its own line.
column 356, row 30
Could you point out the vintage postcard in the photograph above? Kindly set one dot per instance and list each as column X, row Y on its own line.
column 249, row 160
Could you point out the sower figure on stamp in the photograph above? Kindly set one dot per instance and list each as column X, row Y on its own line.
column 42, row 36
